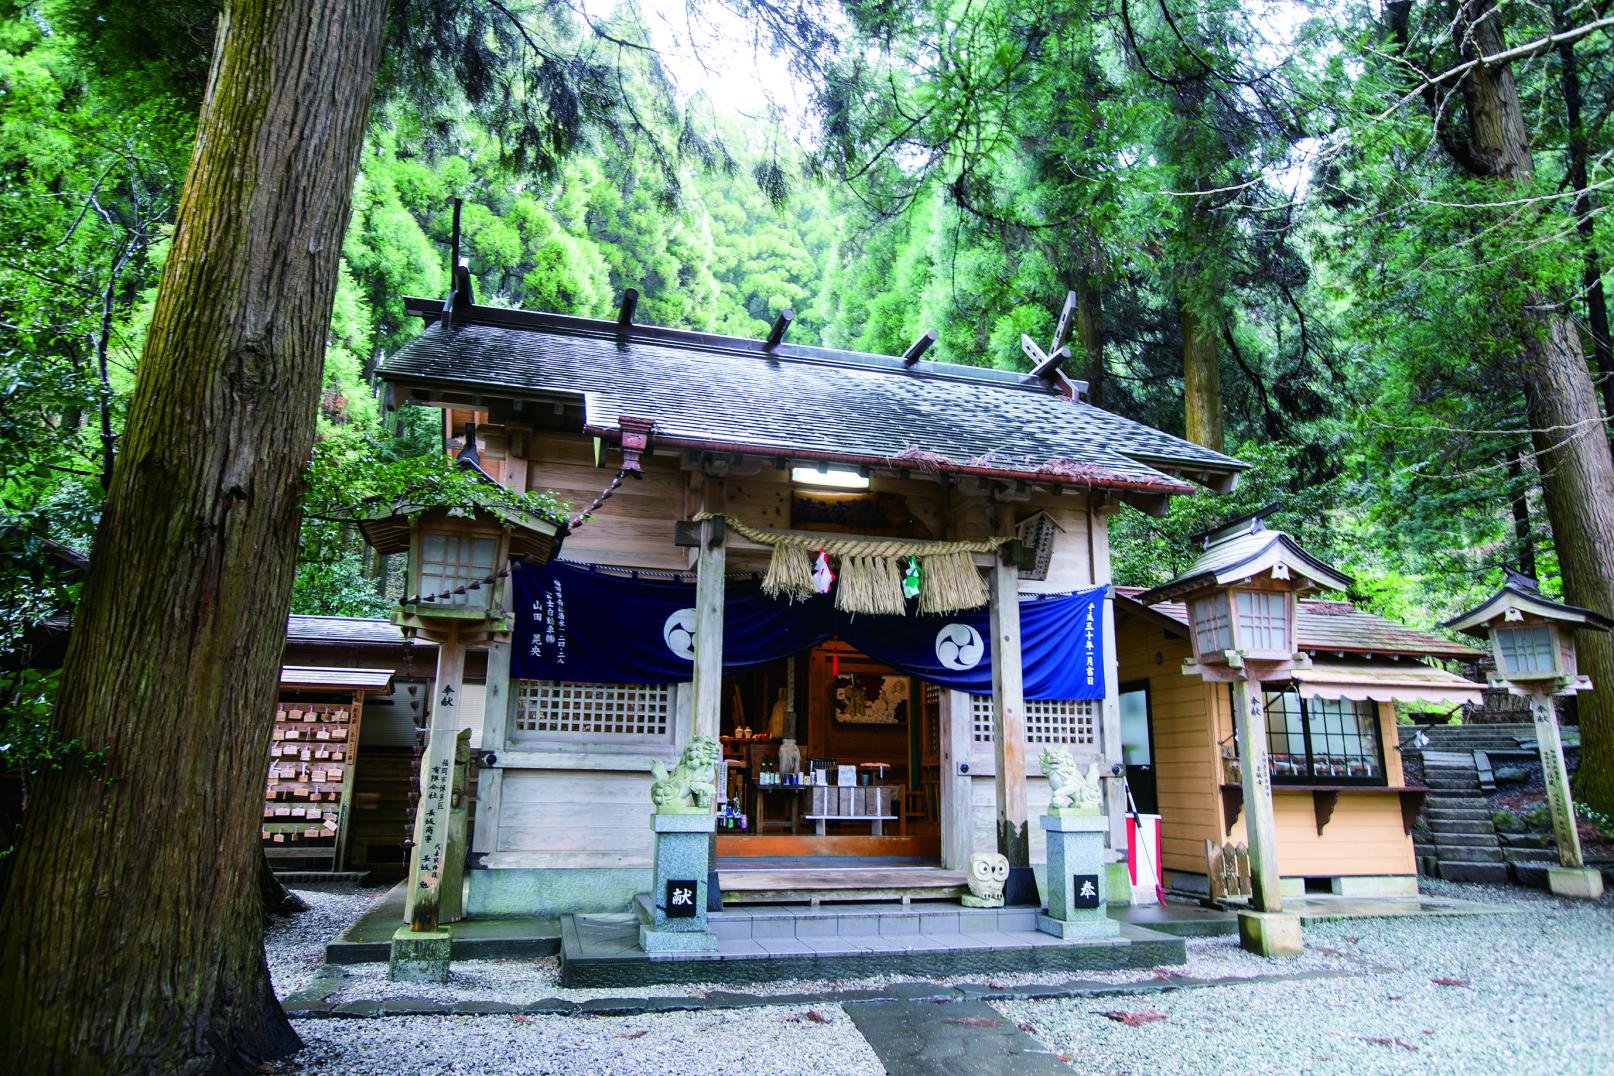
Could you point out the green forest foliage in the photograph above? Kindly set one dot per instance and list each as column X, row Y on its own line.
column 965, row 166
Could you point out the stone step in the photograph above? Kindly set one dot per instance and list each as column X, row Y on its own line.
column 1461, row 871
column 1531, row 855
column 1459, row 814
column 1469, row 780
column 1455, row 853
column 1442, row 826
column 1460, row 802
column 863, row 920
column 1466, row 840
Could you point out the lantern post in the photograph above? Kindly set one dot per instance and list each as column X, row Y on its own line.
column 459, row 566
column 1240, row 597
column 1532, row 641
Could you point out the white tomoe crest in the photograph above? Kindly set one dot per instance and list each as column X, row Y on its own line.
column 679, row 633
column 959, row 647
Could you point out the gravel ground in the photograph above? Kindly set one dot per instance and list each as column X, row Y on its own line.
column 295, row 945
column 1521, row 993
column 785, row 1040
column 522, row 982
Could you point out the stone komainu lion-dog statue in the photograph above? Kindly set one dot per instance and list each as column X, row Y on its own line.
column 1069, row 788
column 688, row 787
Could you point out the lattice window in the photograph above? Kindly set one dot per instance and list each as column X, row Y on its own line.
column 1322, row 740
column 1213, row 623
column 1048, row 721
column 1263, row 621
column 448, row 561
column 1526, row 651
column 561, row 710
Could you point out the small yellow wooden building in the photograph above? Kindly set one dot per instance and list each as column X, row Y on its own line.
column 1343, row 807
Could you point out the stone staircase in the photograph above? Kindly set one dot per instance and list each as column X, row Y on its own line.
column 1462, row 845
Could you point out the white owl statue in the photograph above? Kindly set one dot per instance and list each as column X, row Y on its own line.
column 988, row 871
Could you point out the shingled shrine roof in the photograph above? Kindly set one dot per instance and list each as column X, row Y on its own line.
column 789, row 401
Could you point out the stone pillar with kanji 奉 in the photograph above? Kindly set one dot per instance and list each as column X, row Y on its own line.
column 1075, row 831
column 672, row 919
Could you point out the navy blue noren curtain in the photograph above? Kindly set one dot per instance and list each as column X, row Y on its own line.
column 576, row 623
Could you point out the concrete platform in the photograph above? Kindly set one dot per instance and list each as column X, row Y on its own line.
column 848, row 941
column 369, row 938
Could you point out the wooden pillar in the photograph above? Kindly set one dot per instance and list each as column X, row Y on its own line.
column 497, row 719
column 1109, row 734
column 710, row 564
column 1008, row 705
column 451, row 900
column 427, row 863
column 1250, row 723
column 1556, row 778
column 957, row 798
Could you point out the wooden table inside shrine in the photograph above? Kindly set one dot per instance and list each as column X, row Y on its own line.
column 779, row 806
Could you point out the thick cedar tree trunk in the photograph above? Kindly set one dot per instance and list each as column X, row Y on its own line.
column 133, row 925
column 1201, row 381
column 1090, row 339
column 1577, row 470
column 1592, row 277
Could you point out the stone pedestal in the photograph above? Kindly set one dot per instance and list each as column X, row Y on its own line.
column 420, row 956
column 1076, row 869
column 683, row 863
column 1582, row 882
column 1269, row 934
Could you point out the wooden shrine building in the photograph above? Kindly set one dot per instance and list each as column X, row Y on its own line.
column 717, row 485
column 766, row 437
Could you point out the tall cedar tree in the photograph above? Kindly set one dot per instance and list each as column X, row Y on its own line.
column 1489, row 140
column 136, row 938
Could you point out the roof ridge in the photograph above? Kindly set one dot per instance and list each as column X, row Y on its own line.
column 695, row 339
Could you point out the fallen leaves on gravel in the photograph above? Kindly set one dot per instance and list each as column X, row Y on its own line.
column 811, row 1016
column 1028, row 1027
column 1133, row 1019
column 1447, row 981
column 1377, row 1041
column 641, row 1033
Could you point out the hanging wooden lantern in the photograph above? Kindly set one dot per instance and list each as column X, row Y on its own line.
column 458, row 559
column 1036, row 537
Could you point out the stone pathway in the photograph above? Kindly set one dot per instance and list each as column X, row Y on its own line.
column 966, row 1038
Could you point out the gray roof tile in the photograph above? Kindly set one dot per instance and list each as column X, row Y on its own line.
column 725, row 392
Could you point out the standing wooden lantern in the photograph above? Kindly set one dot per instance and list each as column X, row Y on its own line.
column 1240, row 595
column 457, row 574
column 1533, row 643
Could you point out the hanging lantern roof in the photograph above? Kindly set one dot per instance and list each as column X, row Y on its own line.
column 531, row 536
column 1521, row 597
column 1243, row 548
